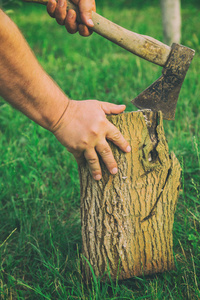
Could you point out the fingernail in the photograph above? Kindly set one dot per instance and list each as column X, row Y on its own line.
column 114, row 171
column 128, row 149
column 97, row 177
column 90, row 22
column 61, row 3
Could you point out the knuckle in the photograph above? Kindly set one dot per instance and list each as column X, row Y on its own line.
column 73, row 148
column 102, row 118
column 51, row 11
column 70, row 30
column 92, row 161
column 60, row 14
column 105, row 151
column 81, row 30
column 85, row 34
column 51, row 6
column 117, row 135
column 82, row 146
column 94, row 132
column 95, row 129
column 77, row 147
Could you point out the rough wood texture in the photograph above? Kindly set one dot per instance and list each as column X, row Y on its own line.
column 127, row 219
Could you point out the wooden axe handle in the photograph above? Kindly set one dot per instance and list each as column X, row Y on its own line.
column 140, row 45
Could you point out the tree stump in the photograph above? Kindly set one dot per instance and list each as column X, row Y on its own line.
column 127, row 218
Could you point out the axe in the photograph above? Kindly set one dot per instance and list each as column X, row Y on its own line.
column 163, row 94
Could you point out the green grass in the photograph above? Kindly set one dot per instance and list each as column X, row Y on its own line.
column 40, row 232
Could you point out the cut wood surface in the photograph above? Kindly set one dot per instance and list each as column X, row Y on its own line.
column 127, row 219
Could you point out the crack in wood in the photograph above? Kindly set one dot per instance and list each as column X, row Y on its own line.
column 152, row 211
column 112, row 209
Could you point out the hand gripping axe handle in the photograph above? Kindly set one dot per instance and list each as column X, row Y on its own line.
column 162, row 95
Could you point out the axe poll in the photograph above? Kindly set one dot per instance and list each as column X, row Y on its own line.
column 163, row 94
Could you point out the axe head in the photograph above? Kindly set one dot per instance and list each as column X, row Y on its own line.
column 163, row 94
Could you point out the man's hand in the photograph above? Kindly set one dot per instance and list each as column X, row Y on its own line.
column 58, row 10
column 84, row 131
column 81, row 126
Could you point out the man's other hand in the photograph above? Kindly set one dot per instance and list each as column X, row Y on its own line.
column 58, row 10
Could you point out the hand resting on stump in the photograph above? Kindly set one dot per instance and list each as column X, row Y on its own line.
column 81, row 126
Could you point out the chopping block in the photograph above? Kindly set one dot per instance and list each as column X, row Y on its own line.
column 127, row 218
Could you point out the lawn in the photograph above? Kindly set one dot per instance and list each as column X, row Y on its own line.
column 40, row 230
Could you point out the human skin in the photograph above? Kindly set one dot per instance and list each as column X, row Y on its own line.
column 58, row 10
column 81, row 126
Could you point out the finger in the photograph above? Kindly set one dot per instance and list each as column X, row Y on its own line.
column 115, row 136
column 83, row 30
column 93, row 162
column 70, row 22
column 107, row 156
column 110, row 108
column 51, row 7
column 80, row 159
column 86, row 7
column 61, row 12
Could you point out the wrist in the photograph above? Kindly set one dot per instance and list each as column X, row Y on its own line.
column 55, row 110
column 54, row 126
column 65, row 117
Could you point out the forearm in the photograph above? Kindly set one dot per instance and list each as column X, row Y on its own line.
column 23, row 83
column 81, row 126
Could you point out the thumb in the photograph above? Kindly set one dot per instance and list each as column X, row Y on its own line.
column 110, row 108
column 86, row 7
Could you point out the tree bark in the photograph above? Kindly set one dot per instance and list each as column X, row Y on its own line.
column 171, row 19
column 127, row 219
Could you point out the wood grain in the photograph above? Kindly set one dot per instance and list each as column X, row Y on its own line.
column 127, row 219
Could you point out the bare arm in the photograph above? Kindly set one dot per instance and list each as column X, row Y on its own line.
column 81, row 126
column 23, row 82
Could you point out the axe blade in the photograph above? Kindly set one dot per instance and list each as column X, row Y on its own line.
column 163, row 94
